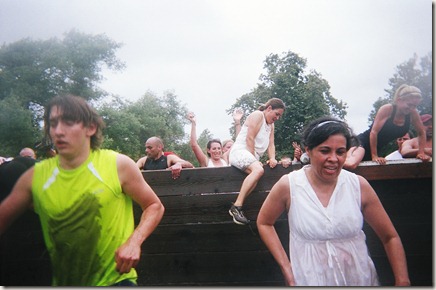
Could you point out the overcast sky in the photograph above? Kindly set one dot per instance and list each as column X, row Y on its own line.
column 211, row 52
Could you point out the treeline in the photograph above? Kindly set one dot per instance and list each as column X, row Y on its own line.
column 32, row 72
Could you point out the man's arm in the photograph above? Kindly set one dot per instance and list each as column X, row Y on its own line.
column 133, row 184
column 410, row 148
column 419, row 127
column 199, row 154
column 140, row 163
column 174, row 159
column 175, row 164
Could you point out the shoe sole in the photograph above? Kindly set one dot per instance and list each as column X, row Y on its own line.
column 236, row 221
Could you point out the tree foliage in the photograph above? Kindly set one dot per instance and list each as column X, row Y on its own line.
column 130, row 124
column 306, row 95
column 35, row 71
column 32, row 72
column 16, row 127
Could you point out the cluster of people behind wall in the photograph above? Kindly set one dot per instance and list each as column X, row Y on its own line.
column 98, row 187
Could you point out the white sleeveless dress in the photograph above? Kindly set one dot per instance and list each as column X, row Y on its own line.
column 239, row 155
column 326, row 244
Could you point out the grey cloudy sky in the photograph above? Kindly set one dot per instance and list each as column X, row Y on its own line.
column 211, row 52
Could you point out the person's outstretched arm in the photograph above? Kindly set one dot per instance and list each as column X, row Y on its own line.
column 238, row 113
column 199, row 154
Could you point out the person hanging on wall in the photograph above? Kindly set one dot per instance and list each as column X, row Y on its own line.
column 157, row 159
column 390, row 122
column 255, row 138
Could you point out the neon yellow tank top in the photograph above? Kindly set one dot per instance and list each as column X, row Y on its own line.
column 85, row 217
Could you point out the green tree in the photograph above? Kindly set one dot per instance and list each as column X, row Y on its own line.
column 35, row 71
column 164, row 117
column 130, row 124
column 306, row 95
column 15, row 127
column 122, row 128
column 32, row 72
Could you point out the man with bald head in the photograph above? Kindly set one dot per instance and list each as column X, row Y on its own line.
column 156, row 159
column 28, row 152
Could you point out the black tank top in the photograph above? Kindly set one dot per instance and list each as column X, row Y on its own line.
column 388, row 132
column 160, row 163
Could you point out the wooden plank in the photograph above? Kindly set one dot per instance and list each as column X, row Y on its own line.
column 210, row 180
column 229, row 179
column 219, row 238
column 210, row 208
column 400, row 169
column 210, row 269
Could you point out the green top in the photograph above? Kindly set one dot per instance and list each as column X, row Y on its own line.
column 85, row 217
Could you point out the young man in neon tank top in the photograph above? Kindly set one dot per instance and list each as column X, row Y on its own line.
column 83, row 197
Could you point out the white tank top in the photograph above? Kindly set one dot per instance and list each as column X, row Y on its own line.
column 261, row 141
column 210, row 163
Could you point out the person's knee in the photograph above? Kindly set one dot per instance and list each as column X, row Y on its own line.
column 354, row 157
column 257, row 171
column 350, row 165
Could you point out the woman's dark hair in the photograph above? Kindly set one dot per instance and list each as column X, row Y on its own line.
column 275, row 103
column 76, row 109
column 322, row 128
column 209, row 143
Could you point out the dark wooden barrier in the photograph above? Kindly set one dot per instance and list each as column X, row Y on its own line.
column 198, row 244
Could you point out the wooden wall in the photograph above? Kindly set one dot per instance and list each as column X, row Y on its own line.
column 198, row 244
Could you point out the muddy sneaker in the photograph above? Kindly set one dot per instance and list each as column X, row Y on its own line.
column 238, row 215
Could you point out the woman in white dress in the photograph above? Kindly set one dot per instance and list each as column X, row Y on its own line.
column 326, row 209
column 255, row 138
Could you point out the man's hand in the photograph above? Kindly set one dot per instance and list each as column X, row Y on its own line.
column 423, row 157
column 127, row 257
column 176, row 170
